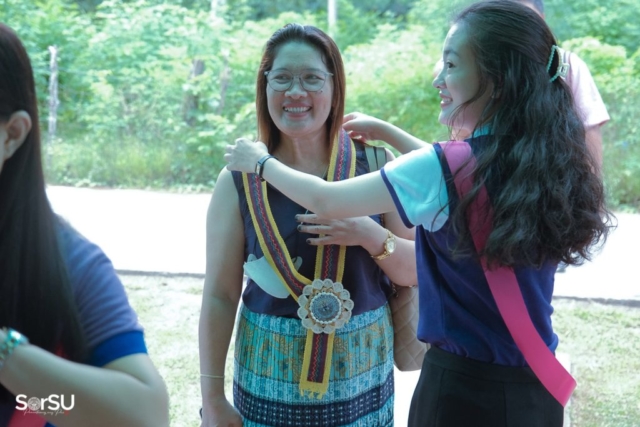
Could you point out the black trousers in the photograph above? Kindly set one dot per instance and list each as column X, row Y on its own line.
column 455, row 391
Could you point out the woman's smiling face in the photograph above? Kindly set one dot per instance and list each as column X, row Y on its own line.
column 298, row 112
column 458, row 82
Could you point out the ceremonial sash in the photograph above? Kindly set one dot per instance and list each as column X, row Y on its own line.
column 504, row 284
column 322, row 296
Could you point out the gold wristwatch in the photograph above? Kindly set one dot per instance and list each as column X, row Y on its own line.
column 389, row 247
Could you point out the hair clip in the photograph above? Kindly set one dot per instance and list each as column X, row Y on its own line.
column 563, row 67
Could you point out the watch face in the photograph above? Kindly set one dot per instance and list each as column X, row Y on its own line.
column 390, row 245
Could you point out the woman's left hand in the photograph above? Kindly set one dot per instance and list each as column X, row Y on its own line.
column 344, row 232
column 244, row 155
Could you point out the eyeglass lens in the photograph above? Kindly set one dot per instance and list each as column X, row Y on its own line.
column 282, row 80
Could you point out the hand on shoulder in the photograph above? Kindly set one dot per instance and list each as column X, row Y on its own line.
column 244, row 155
column 363, row 127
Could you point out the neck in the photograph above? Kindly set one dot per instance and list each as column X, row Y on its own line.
column 309, row 154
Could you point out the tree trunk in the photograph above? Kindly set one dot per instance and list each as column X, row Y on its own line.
column 332, row 17
column 225, row 76
column 53, row 102
column 190, row 100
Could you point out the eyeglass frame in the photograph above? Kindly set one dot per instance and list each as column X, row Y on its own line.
column 294, row 76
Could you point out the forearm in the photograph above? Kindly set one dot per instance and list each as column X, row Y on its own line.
column 399, row 139
column 400, row 267
column 360, row 196
column 363, row 195
column 222, row 287
column 317, row 195
column 594, row 144
column 215, row 331
column 102, row 397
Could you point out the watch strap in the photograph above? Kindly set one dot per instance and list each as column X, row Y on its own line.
column 260, row 165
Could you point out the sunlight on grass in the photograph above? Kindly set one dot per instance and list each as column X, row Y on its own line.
column 603, row 343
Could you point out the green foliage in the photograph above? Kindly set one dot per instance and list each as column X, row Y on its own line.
column 619, row 84
column 436, row 15
column 132, row 112
column 354, row 25
column 615, row 22
column 391, row 78
column 256, row 10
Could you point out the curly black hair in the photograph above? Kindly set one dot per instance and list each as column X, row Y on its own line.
column 547, row 195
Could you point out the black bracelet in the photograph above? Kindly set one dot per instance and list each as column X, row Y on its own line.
column 260, row 165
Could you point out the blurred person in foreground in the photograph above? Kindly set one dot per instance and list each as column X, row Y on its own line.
column 72, row 352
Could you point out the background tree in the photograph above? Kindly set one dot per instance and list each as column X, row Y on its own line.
column 134, row 113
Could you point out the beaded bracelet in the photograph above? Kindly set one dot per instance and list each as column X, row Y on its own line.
column 12, row 340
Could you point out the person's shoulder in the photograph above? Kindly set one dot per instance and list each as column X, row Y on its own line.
column 72, row 240
column 82, row 257
column 229, row 179
column 577, row 66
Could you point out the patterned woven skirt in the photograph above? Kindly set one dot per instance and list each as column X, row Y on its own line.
column 268, row 360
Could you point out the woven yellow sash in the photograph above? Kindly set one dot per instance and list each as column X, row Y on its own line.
column 325, row 294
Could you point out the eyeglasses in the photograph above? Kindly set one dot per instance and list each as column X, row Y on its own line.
column 310, row 80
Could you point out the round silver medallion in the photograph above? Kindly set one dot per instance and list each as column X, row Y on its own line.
column 325, row 307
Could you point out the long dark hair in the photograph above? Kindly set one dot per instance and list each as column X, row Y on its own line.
column 35, row 294
column 267, row 130
column 548, row 198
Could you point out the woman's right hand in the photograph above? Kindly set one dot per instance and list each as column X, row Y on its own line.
column 220, row 413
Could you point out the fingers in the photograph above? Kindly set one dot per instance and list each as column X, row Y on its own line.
column 314, row 229
column 243, row 155
column 350, row 117
column 351, row 120
column 356, row 125
column 357, row 138
column 310, row 218
column 320, row 241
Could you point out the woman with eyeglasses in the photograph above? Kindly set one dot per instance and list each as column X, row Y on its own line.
column 314, row 340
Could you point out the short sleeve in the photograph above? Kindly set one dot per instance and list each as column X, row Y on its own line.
column 107, row 319
column 585, row 92
column 416, row 184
